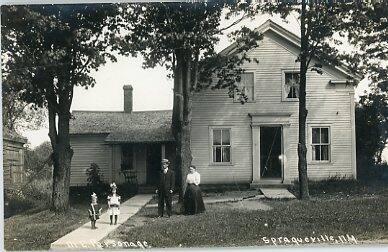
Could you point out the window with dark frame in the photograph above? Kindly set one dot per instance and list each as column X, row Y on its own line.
column 246, row 87
column 291, row 85
column 221, row 145
column 320, row 144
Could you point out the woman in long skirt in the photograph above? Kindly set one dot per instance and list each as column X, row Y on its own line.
column 193, row 202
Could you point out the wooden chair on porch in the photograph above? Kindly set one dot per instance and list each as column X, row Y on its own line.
column 130, row 176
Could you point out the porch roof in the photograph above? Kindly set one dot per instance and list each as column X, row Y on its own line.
column 162, row 134
column 121, row 127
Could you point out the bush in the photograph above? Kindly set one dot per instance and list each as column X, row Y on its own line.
column 95, row 183
column 16, row 202
column 38, row 190
column 373, row 172
column 330, row 185
column 38, row 162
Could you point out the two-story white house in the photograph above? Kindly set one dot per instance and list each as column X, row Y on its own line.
column 233, row 143
column 256, row 142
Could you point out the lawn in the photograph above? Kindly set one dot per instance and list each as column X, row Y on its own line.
column 335, row 213
column 36, row 231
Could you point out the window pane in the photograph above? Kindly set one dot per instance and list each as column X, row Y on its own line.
column 225, row 154
column 247, row 79
column 292, row 93
column 325, row 152
column 216, row 137
column 316, row 152
column 249, row 93
column 291, row 85
column 245, row 86
column 216, row 154
column 315, row 135
column 225, row 137
column 325, row 135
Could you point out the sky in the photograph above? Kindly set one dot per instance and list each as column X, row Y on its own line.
column 152, row 90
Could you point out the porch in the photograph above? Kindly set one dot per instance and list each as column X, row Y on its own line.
column 139, row 163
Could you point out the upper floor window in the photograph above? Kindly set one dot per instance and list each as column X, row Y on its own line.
column 221, row 145
column 291, row 85
column 320, row 143
column 245, row 88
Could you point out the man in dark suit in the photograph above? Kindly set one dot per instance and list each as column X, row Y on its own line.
column 165, row 188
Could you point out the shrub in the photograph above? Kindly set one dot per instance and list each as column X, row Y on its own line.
column 39, row 190
column 16, row 202
column 333, row 184
column 95, row 183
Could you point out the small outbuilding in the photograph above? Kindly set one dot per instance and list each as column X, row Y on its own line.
column 13, row 159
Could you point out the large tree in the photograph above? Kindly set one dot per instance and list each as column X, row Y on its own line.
column 182, row 37
column 367, row 29
column 321, row 27
column 371, row 128
column 47, row 50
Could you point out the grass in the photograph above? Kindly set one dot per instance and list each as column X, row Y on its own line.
column 357, row 211
column 37, row 230
column 336, row 187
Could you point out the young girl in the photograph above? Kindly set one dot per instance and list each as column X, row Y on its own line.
column 94, row 211
column 113, row 204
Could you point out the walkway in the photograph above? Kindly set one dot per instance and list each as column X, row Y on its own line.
column 86, row 238
column 218, row 199
column 277, row 193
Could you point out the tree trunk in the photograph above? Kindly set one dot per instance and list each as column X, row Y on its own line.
column 62, row 162
column 182, row 117
column 62, row 152
column 302, row 150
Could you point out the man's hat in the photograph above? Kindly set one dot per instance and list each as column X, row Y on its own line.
column 165, row 161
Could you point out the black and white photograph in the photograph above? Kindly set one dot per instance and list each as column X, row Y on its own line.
column 241, row 124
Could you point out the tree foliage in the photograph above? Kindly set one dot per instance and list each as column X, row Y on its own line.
column 372, row 127
column 19, row 115
column 38, row 163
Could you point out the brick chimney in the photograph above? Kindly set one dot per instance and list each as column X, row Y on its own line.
column 128, row 99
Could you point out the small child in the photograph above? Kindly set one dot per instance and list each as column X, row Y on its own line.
column 94, row 211
column 113, row 204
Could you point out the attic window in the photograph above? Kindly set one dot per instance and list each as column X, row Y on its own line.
column 291, row 85
column 246, row 87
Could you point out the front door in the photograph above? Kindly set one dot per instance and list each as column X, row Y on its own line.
column 154, row 154
column 270, row 152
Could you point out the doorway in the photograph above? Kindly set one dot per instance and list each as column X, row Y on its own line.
column 270, row 152
column 154, row 158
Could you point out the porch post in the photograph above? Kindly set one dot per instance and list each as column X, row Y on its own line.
column 163, row 151
column 285, row 153
column 255, row 154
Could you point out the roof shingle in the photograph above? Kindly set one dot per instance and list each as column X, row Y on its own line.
column 138, row 126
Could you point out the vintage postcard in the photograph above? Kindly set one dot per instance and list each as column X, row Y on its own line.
column 194, row 124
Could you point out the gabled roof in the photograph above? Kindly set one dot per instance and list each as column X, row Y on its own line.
column 138, row 126
column 290, row 37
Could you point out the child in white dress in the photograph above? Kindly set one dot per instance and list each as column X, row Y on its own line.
column 113, row 204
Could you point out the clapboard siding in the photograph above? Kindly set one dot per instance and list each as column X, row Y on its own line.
column 89, row 149
column 327, row 105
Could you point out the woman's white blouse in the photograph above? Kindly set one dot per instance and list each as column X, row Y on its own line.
column 193, row 178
